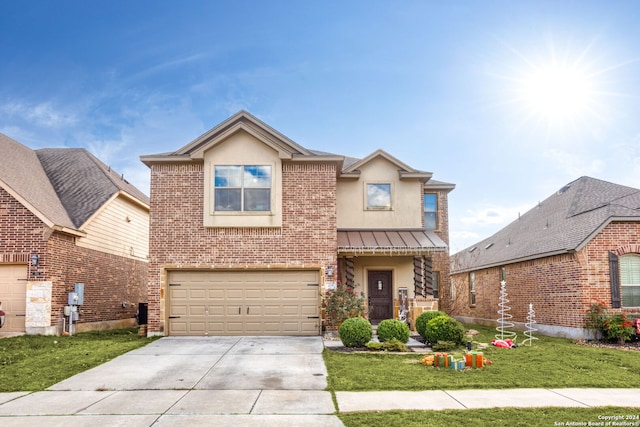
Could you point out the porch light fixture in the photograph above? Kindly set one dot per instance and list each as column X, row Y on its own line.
column 330, row 271
column 35, row 260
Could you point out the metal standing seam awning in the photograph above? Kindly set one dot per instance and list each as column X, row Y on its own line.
column 389, row 242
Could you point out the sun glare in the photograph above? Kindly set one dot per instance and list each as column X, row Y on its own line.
column 561, row 89
column 558, row 92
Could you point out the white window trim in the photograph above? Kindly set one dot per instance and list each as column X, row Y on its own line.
column 378, row 208
column 243, row 219
column 213, row 187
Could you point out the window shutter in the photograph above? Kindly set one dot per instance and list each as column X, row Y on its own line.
column 614, row 276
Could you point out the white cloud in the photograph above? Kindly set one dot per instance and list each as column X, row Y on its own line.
column 574, row 166
column 492, row 214
column 44, row 114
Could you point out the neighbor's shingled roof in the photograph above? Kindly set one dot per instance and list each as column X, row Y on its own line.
column 83, row 182
column 65, row 186
column 563, row 223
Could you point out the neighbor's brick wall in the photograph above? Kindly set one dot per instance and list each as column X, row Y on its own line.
column 109, row 280
column 308, row 235
column 22, row 233
column 561, row 287
column 618, row 237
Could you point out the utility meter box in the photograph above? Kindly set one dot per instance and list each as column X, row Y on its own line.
column 78, row 289
column 73, row 298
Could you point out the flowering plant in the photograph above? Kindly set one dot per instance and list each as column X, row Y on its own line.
column 342, row 303
column 613, row 326
column 596, row 315
column 618, row 327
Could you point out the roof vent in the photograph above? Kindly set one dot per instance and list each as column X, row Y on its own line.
column 473, row 249
column 563, row 189
column 489, row 245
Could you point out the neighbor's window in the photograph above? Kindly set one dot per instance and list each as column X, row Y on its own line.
column 630, row 280
column 242, row 188
column 472, row 288
column 378, row 196
column 430, row 211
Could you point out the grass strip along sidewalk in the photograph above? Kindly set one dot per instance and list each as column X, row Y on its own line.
column 35, row 362
column 548, row 363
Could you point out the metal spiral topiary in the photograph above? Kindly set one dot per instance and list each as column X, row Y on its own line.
column 531, row 320
column 504, row 320
column 349, row 271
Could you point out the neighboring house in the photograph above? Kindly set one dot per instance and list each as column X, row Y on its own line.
column 67, row 218
column 248, row 229
column 580, row 244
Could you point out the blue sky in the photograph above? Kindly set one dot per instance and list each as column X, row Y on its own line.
column 509, row 100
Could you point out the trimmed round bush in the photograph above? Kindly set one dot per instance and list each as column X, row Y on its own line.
column 444, row 328
column 423, row 319
column 393, row 328
column 355, row 332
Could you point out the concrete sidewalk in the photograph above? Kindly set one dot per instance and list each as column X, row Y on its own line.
column 476, row 399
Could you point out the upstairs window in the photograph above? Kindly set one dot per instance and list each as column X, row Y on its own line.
column 242, row 188
column 430, row 210
column 379, row 196
column 630, row 280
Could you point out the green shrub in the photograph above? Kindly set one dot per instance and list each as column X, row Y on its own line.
column 393, row 328
column 355, row 332
column 444, row 328
column 374, row 346
column 394, row 345
column 423, row 319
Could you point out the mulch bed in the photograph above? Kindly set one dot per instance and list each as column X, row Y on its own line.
column 629, row 346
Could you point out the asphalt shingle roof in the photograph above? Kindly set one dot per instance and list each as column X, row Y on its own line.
column 66, row 185
column 83, row 182
column 562, row 223
column 22, row 172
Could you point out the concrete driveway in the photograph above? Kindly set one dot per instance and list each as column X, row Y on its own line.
column 222, row 381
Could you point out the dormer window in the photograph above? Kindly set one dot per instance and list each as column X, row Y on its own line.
column 242, row 188
column 379, row 196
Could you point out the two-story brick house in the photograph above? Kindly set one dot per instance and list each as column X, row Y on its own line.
column 66, row 218
column 248, row 229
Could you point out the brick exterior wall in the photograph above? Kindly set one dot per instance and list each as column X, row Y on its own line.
column 109, row 279
column 560, row 287
column 22, row 232
column 178, row 238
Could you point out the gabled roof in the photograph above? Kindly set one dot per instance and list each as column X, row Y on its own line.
column 348, row 167
column 405, row 171
column 562, row 223
column 22, row 175
column 83, row 183
column 241, row 121
column 63, row 187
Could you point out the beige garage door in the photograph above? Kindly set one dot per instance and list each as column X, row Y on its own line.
column 13, row 294
column 283, row 302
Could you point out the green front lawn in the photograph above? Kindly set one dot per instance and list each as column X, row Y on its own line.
column 35, row 362
column 524, row 417
column 548, row 363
